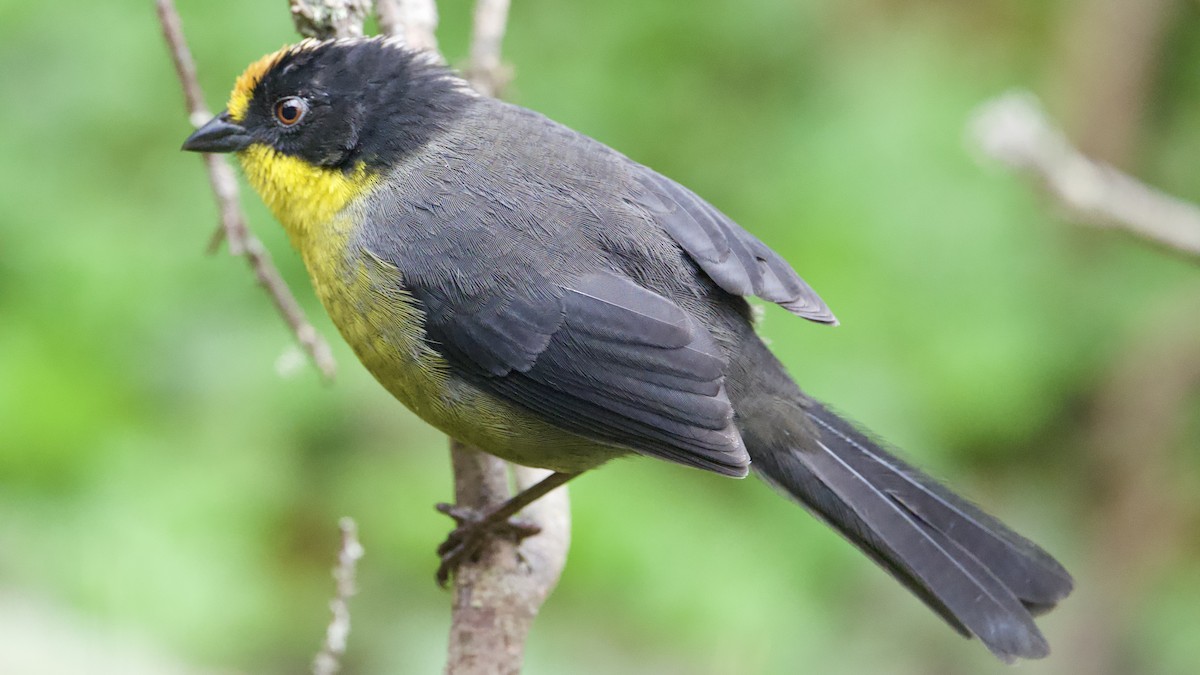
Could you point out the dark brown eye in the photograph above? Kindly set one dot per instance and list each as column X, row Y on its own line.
column 290, row 110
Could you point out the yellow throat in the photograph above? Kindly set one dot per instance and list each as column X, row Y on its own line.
column 304, row 198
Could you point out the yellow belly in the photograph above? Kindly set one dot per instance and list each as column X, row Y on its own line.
column 385, row 327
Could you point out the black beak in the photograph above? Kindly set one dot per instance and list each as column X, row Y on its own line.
column 219, row 135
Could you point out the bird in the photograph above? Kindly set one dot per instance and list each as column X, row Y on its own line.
column 537, row 294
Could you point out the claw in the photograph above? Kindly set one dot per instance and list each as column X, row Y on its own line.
column 470, row 536
column 460, row 514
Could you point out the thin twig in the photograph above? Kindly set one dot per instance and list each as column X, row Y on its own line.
column 233, row 221
column 1014, row 130
column 486, row 73
column 329, row 659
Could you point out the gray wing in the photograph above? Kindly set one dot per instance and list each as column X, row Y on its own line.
column 732, row 257
column 599, row 356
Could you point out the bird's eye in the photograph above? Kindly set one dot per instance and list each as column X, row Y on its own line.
column 289, row 111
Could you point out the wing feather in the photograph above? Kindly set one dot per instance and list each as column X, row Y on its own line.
column 735, row 259
column 599, row 356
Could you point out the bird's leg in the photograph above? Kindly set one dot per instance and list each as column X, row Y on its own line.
column 474, row 528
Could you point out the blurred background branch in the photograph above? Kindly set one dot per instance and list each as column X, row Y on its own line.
column 1105, row 93
column 1014, row 130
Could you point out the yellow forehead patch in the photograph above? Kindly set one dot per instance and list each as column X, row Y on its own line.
column 243, row 89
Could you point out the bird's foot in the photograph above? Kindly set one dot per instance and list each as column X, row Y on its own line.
column 473, row 532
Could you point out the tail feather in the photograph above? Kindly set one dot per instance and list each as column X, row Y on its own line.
column 1029, row 572
column 982, row 578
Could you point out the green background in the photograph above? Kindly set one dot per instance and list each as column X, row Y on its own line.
column 171, row 473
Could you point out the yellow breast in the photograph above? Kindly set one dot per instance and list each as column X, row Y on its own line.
column 304, row 197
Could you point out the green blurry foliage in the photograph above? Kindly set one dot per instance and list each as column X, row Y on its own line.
column 159, row 478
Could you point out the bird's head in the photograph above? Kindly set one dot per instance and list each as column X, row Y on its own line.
column 314, row 123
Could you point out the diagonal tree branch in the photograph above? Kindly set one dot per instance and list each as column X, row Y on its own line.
column 233, row 221
column 1014, row 130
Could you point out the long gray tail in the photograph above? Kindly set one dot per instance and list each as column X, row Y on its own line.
column 981, row 577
